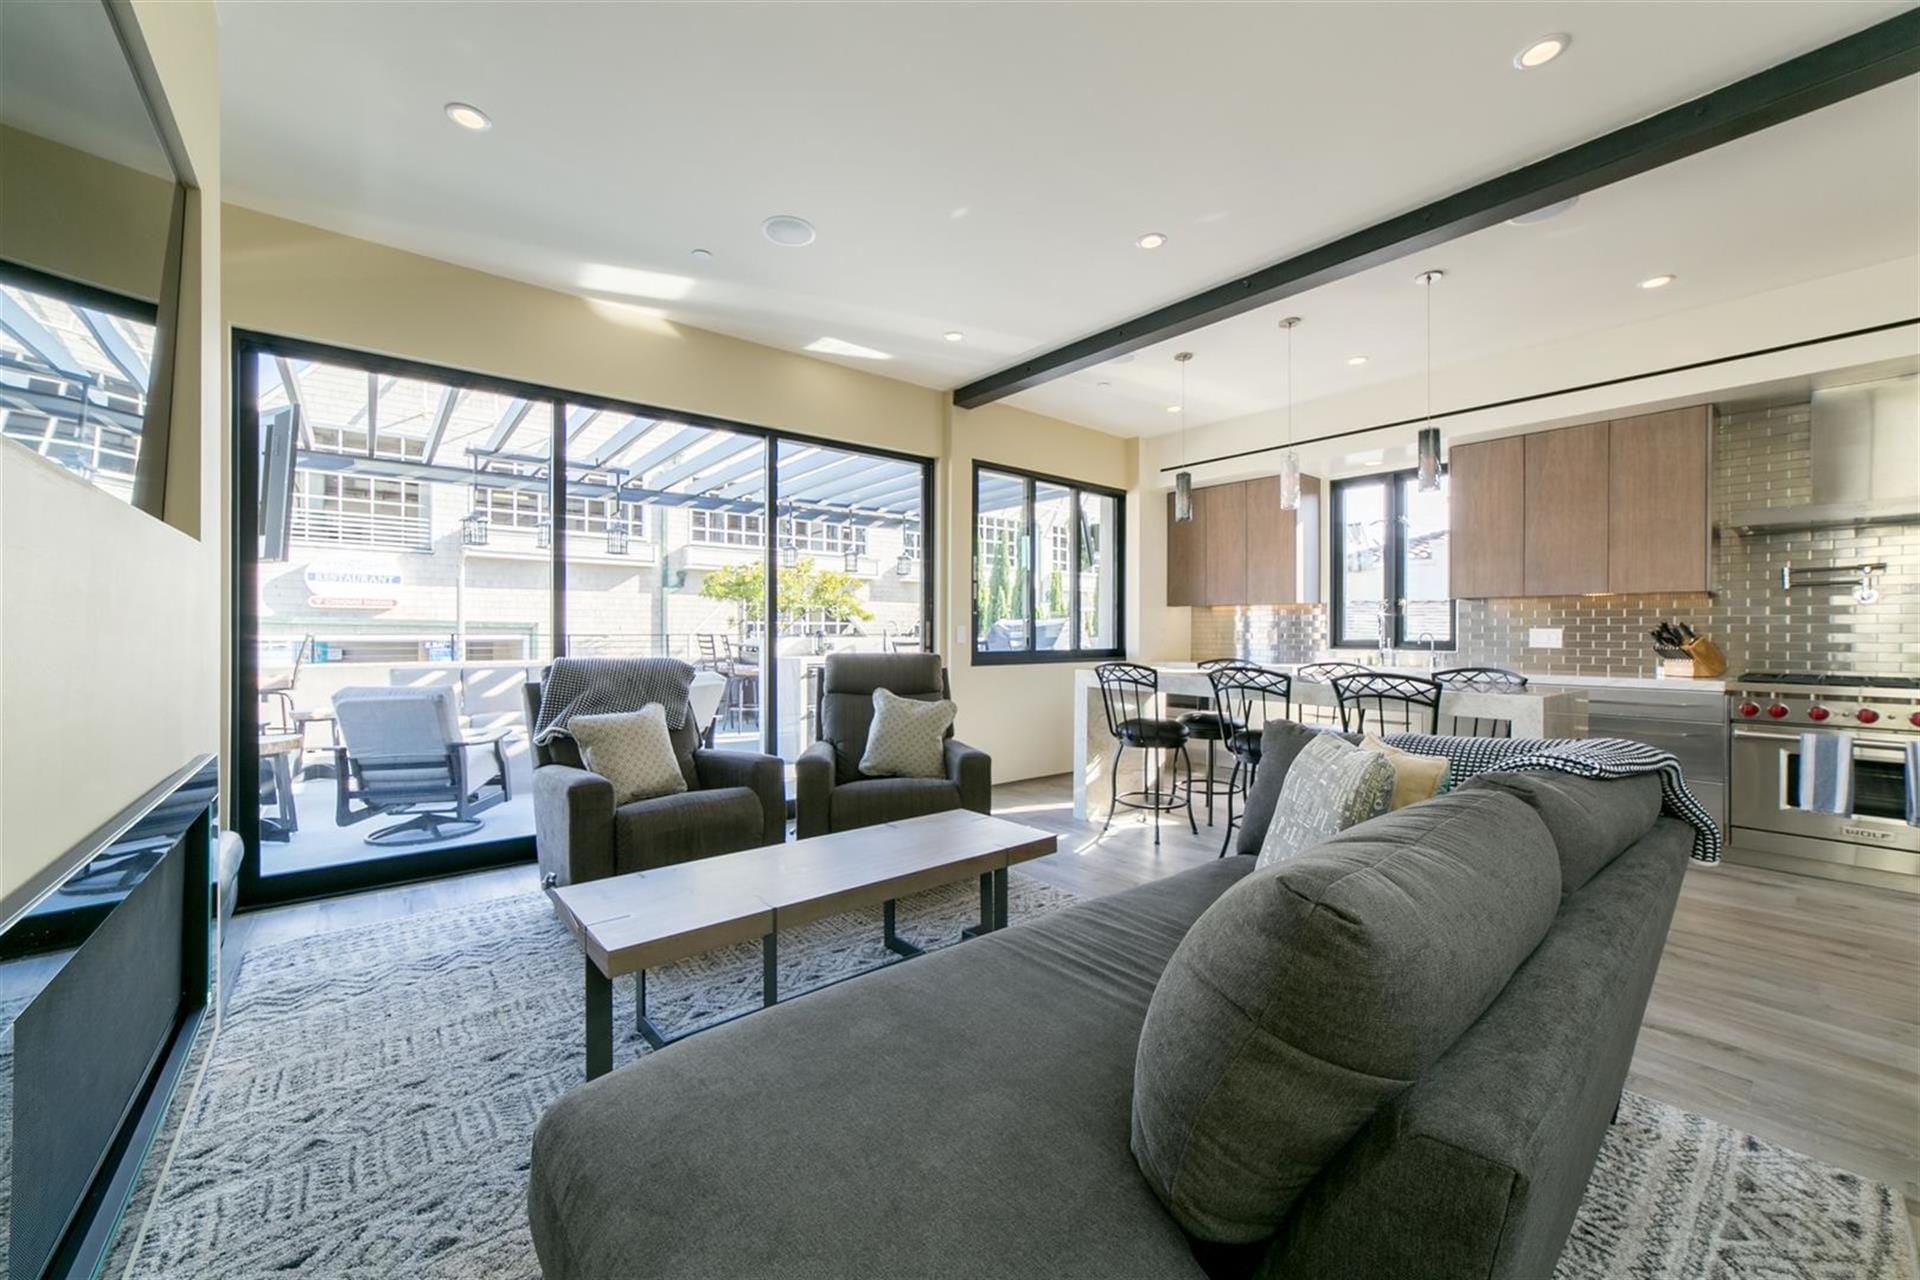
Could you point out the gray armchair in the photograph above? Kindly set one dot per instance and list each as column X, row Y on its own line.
column 833, row 795
column 734, row 800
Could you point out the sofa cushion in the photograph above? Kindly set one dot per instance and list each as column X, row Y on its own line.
column 631, row 750
column 1315, row 990
column 1280, row 742
column 960, row 1114
column 873, row 800
column 1592, row 819
column 907, row 738
column 1331, row 785
column 685, row 826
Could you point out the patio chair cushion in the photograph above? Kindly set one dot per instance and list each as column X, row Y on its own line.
column 632, row 750
column 875, row 800
column 907, row 737
column 685, row 826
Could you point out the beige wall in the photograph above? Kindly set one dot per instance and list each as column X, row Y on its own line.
column 1021, row 715
column 105, row 225
column 110, row 620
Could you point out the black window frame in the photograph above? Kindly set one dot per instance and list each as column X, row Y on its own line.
column 1393, row 566
column 1029, row 654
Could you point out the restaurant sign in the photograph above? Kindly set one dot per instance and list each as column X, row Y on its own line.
column 353, row 582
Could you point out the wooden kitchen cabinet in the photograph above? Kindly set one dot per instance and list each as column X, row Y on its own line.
column 1487, row 518
column 1657, row 518
column 1221, row 513
column 1274, row 543
column 1566, row 511
column 1186, row 557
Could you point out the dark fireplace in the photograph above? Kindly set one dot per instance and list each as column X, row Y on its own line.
column 104, row 975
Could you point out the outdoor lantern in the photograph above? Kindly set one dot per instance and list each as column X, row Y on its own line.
column 616, row 537
column 789, row 554
column 853, row 560
column 474, row 529
column 904, row 565
column 545, row 536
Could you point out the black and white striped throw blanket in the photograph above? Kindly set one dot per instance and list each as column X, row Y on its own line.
column 1585, row 757
column 596, row 686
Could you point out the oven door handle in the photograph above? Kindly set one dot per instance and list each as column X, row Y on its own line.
column 1895, row 744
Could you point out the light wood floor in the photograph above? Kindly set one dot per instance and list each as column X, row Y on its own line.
column 1786, row 1007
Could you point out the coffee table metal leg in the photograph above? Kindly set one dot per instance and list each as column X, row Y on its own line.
column 599, row 1021
column 1000, row 898
column 895, row 943
column 769, row 968
column 986, row 908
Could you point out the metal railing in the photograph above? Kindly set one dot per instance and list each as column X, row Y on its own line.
column 362, row 529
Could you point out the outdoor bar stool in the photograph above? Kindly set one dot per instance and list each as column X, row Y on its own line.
column 1131, row 696
column 1248, row 696
column 1325, row 673
column 1396, row 703
column 1213, row 725
column 1481, row 680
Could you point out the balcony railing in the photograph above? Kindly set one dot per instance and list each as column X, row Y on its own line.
column 362, row 529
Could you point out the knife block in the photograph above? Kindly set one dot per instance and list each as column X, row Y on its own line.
column 1705, row 659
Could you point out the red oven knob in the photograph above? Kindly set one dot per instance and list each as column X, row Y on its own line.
column 1777, row 710
column 1749, row 709
column 1914, row 719
column 1866, row 715
column 1818, row 713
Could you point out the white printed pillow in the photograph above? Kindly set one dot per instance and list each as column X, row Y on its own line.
column 908, row 737
column 1331, row 786
column 632, row 750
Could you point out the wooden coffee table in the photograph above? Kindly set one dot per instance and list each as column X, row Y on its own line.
column 631, row 923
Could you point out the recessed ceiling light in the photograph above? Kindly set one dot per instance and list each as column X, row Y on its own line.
column 703, row 255
column 1151, row 240
column 1173, row 408
column 785, row 229
column 1657, row 282
column 841, row 347
column 954, row 335
column 1542, row 51
column 1356, row 360
column 1104, row 386
column 1544, row 214
column 468, row 117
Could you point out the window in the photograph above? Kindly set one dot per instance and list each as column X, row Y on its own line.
column 734, row 529
column 1390, row 564
column 1046, row 568
column 359, row 511
column 527, row 509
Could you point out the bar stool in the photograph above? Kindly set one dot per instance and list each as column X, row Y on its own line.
column 1247, row 694
column 1213, row 725
column 1393, row 701
column 1482, row 680
column 1326, row 673
column 1131, row 697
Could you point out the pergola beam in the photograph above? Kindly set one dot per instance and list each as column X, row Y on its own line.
column 441, row 416
column 510, row 420
column 39, row 340
column 117, row 348
column 723, row 450
column 621, row 440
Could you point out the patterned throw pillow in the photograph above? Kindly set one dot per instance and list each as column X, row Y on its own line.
column 632, row 750
column 1332, row 785
column 908, row 737
column 1414, row 777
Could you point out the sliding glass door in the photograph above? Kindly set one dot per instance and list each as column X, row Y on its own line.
column 414, row 545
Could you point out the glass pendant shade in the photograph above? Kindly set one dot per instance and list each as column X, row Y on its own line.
column 1429, row 459
column 1183, row 496
column 1290, row 482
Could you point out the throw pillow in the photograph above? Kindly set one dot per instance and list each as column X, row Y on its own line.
column 632, row 750
column 908, row 737
column 1414, row 777
column 1280, row 742
column 1332, row 785
column 1312, row 992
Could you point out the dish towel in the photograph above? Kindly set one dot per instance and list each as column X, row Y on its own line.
column 594, row 686
column 1913, row 784
column 1583, row 757
column 1826, row 772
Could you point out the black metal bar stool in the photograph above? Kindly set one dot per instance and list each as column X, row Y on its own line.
column 1326, row 673
column 1213, row 725
column 1481, row 680
column 1247, row 695
column 1131, row 696
column 1395, row 702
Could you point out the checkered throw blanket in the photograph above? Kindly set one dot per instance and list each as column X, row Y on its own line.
column 596, row 686
column 1585, row 757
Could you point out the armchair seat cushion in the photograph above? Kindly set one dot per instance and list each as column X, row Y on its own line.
column 874, row 800
column 685, row 826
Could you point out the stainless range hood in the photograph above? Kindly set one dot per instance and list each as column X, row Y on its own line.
column 1865, row 464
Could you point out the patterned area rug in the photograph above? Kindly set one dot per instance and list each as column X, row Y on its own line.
column 370, row 1102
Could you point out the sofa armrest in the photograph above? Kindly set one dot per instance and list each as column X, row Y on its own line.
column 765, row 776
column 971, row 769
column 813, row 791
column 572, row 824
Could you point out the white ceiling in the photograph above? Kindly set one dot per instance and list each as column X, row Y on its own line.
column 63, row 76
column 986, row 168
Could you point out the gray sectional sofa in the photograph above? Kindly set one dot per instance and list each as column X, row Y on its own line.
column 978, row 1112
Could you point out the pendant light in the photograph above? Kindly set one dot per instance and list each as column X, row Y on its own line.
column 1183, row 479
column 1290, row 461
column 1430, row 434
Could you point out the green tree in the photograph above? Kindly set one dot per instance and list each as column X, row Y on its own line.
column 1056, row 594
column 803, row 586
column 999, row 599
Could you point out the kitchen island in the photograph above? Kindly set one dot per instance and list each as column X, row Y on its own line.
column 1534, row 714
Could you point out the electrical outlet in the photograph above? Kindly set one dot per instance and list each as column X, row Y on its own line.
column 1543, row 637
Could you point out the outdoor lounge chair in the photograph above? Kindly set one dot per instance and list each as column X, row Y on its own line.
column 403, row 754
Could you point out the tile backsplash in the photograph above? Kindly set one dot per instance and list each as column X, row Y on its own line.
column 1761, row 457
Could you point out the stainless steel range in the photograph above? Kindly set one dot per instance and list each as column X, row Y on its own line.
column 1768, row 712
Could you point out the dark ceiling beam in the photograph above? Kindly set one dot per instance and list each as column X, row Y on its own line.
column 1881, row 54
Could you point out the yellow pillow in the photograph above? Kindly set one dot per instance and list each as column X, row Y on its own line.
column 1414, row 777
